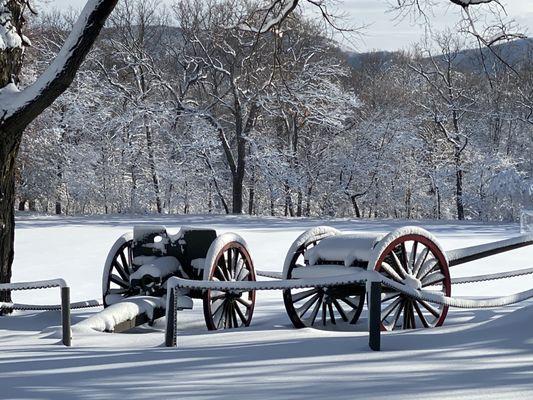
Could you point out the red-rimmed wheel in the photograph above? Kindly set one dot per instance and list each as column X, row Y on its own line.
column 327, row 308
column 117, row 270
column 416, row 261
column 223, row 310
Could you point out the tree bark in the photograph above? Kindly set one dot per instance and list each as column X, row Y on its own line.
column 8, row 152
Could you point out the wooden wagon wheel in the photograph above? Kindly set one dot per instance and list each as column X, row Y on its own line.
column 223, row 310
column 416, row 261
column 117, row 270
column 338, row 307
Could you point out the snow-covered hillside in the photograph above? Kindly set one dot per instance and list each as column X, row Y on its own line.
column 477, row 354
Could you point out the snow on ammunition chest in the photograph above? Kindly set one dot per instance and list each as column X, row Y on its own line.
column 343, row 248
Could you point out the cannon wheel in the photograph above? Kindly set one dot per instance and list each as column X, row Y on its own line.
column 223, row 310
column 117, row 270
column 338, row 307
column 417, row 261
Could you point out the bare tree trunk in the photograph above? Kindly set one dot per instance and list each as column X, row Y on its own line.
column 210, row 198
column 8, row 153
column 251, row 193
column 153, row 170
column 289, row 206
column 299, row 203
column 308, row 201
column 355, row 206
column 22, row 205
column 459, row 187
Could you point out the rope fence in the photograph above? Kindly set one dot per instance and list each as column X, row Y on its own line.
column 65, row 301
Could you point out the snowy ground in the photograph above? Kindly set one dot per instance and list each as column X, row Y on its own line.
column 478, row 354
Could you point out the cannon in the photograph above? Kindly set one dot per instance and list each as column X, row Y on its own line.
column 412, row 267
column 140, row 264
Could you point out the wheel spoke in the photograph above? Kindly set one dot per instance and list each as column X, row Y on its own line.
column 218, row 306
column 323, row 313
column 239, row 269
column 340, row 310
column 412, row 315
column 406, row 318
column 221, row 310
column 307, row 305
column 234, row 315
column 391, row 271
column 233, row 263
column 331, row 314
column 315, row 310
column 241, row 315
column 228, row 320
column 433, row 278
column 398, row 263
column 430, row 308
column 243, row 274
column 124, row 262
column 405, row 260
column 218, row 297
column 389, row 296
column 303, row 295
column 420, row 314
column 119, row 281
column 420, row 261
column 227, row 263
column 390, row 308
column 222, row 273
column 396, row 316
column 123, row 274
column 413, row 256
column 244, row 302
column 349, row 302
column 427, row 267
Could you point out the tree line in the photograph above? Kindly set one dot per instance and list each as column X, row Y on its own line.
column 176, row 112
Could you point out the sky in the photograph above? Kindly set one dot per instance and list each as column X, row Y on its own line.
column 383, row 30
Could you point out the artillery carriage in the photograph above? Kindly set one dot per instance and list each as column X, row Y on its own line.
column 140, row 265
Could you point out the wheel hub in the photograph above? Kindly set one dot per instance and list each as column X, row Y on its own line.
column 412, row 282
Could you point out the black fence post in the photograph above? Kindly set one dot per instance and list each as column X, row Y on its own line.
column 374, row 318
column 65, row 315
column 171, row 329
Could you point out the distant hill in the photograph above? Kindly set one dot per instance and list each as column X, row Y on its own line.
column 514, row 53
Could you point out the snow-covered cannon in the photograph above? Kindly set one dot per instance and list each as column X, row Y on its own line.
column 139, row 265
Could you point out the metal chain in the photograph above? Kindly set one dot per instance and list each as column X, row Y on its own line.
column 51, row 307
column 492, row 277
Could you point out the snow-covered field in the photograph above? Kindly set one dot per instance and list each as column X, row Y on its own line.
column 477, row 354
